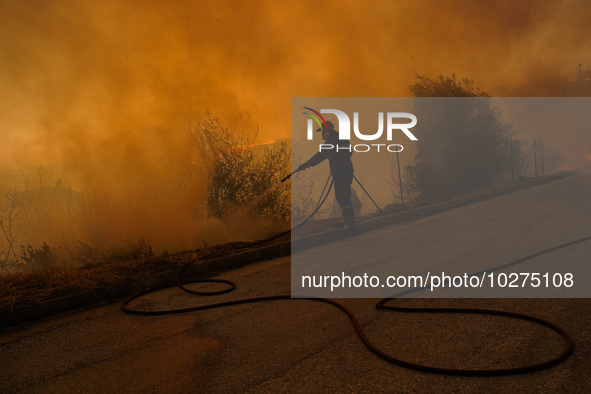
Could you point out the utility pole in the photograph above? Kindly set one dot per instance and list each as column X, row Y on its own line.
column 542, row 154
column 399, row 179
column 511, row 155
column 535, row 159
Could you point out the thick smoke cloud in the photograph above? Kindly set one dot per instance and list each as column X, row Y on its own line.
column 83, row 77
column 105, row 89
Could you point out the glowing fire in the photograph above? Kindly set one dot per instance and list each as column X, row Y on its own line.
column 565, row 167
column 588, row 156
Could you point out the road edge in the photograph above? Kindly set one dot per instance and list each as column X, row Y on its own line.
column 12, row 317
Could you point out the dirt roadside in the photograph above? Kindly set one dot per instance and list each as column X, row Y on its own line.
column 39, row 295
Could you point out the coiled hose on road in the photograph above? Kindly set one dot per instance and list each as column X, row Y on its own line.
column 381, row 305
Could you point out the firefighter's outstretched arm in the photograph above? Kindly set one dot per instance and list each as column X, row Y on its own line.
column 314, row 160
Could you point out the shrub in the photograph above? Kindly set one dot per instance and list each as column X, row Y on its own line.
column 242, row 175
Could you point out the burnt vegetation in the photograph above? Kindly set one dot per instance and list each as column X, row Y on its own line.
column 243, row 179
column 244, row 176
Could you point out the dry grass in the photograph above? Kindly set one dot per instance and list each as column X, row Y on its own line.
column 34, row 287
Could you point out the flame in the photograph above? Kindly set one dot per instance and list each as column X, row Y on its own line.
column 564, row 167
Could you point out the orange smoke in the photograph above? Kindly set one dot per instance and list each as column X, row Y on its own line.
column 94, row 81
column 102, row 92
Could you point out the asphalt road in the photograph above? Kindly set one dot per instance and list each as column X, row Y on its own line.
column 302, row 345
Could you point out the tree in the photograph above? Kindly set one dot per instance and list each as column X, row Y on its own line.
column 13, row 206
column 242, row 175
column 464, row 144
column 444, row 86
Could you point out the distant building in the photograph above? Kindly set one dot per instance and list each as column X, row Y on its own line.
column 581, row 87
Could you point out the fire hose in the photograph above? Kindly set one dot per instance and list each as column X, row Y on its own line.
column 380, row 305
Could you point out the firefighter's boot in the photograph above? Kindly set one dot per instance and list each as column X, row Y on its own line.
column 349, row 216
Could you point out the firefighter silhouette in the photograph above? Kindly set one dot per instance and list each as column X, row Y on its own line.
column 341, row 168
column 335, row 210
